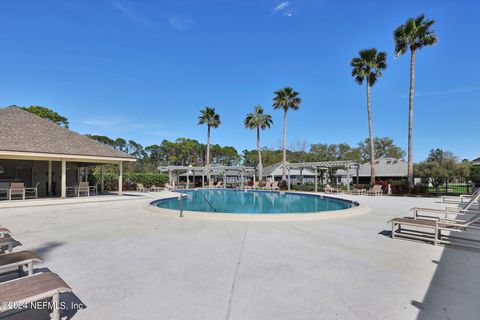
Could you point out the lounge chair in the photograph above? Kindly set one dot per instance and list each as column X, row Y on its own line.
column 329, row 189
column 275, row 186
column 141, row 188
column 436, row 226
column 462, row 209
column 376, row 190
column 461, row 198
column 168, row 187
column 356, row 191
column 16, row 189
column 267, row 186
column 154, row 188
column 253, row 186
column 18, row 260
column 219, row 185
column 6, row 243
column 30, row 289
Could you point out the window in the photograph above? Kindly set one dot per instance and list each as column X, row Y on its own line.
column 2, row 169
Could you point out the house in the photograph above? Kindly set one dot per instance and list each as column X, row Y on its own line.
column 274, row 173
column 476, row 162
column 36, row 151
column 385, row 169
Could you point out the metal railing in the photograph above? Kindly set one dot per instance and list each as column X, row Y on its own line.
column 208, row 202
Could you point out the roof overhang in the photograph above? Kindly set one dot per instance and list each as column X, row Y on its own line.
column 58, row 157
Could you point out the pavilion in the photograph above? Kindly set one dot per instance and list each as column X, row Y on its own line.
column 40, row 153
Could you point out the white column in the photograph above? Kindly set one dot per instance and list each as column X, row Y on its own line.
column 315, row 180
column 120, row 178
column 102, row 179
column 49, row 184
column 348, row 179
column 288, row 179
column 64, row 179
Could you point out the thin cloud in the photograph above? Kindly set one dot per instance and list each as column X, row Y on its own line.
column 281, row 7
column 181, row 22
column 129, row 14
column 448, row 92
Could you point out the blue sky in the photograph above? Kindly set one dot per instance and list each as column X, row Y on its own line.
column 143, row 69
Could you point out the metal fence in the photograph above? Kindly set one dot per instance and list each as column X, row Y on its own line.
column 448, row 187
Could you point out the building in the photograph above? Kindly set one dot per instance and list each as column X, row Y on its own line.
column 36, row 151
column 385, row 169
column 476, row 162
column 274, row 172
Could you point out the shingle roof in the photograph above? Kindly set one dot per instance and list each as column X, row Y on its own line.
column 22, row 131
column 476, row 161
column 384, row 167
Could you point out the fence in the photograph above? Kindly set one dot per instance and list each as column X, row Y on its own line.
column 463, row 186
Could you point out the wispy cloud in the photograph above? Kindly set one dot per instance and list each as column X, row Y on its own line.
column 448, row 92
column 181, row 22
column 130, row 14
column 282, row 8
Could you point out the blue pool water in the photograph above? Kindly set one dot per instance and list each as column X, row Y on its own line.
column 264, row 202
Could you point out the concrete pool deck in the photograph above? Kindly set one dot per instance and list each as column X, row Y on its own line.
column 126, row 262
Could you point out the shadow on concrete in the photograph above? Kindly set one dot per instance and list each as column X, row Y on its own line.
column 46, row 248
column 454, row 291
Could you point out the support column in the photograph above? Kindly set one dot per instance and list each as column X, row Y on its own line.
column 120, row 178
column 315, row 181
column 194, row 184
column 241, row 179
column 188, row 180
column 288, row 179
column 86, row 173
column 169, row 177
column 348, row 179
column 203, row 179
column 102, row 179
column 64, row 179
column 49, row 183
column 224, row 179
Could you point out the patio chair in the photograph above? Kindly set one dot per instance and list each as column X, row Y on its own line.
column 356, row 191
column 253, row 186
column 436, row 227
column 267, row 186
column 29, row 289
column 275, row 186
column 16, row 189
column 83, row 188
column 9, row 261
column 461, row 198
column 329, row 189
column 32, row 192
column 141, row 188
column 155, row 188
column 376, row 190
column 219, row 185
column 4, row 187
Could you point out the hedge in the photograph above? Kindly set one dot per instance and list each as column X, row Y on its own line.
column 129, row 180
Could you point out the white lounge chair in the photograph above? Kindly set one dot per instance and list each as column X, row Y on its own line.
column 376, row 190
column 461, row 198
column 16, row 189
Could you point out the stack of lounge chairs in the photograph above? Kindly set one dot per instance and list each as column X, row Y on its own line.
column 438, row 227
column 29, row 287
column 461, row 198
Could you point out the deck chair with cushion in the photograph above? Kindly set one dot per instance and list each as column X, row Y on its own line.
column 267, row 186
column 253, row 186
column 400, row 228
column 18, row 260
column 219, row 185
column 154, row 188
column 4, row 232
column 17, row 189
column 30, row 289
column 376, row 190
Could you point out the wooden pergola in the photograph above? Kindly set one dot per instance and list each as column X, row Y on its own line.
column 204, row 172
column 323, row 166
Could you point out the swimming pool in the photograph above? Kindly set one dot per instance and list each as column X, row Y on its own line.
column 252, row 202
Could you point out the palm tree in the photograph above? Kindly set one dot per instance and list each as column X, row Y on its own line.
column 258, row 120
column 414, row 34
column 368, row 67
column 286, row 99
column 209, row 117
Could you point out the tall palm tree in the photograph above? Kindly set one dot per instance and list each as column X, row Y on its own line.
column 368, row 67
column 258, row 120
column 209, row 117
column 414, row 34
column 286, row 99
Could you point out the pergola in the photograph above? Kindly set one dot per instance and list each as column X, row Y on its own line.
column 322, row 166
column 241, row 171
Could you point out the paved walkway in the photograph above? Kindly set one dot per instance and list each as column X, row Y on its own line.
column 125, row 262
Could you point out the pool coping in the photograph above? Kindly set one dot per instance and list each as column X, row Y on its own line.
column 304, row 216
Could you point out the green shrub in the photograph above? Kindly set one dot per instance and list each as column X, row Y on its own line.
column 129, row 180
